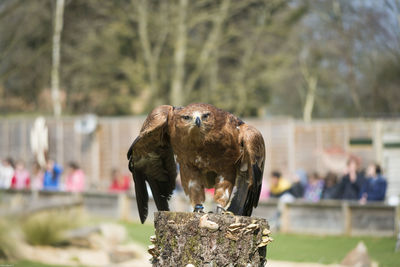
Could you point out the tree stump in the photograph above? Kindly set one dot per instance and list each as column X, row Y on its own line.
column 204, row 239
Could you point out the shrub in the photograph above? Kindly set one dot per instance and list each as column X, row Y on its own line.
column 46, row 228
column 7, row 243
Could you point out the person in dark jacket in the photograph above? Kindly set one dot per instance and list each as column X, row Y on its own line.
column 374, row 188
column 351, row 184
column 330, row 186
column 299, row 184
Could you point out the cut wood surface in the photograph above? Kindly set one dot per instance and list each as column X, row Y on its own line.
column 204, row 239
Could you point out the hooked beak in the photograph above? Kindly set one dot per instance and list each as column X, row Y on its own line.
column 198, row 122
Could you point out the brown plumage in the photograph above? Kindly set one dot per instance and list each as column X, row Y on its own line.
column 213, row 148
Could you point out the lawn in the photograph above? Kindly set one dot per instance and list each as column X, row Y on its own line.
column 330, row 249
column 304, row 248
column 290, row 247
column 139, row 232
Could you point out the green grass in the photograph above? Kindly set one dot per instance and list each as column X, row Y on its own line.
column 139, row 232
column 304, row 248
column 290, row 247
column 330, row 249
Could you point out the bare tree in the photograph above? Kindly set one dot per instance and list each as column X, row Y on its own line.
column 176, row 93
column 311, row 82
column 55, row 69
column 210, row 44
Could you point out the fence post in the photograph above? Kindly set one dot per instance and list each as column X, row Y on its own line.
column 284, row 217
column 347, row 218
column 291, row 146
column 377, row 142
column 397, row 227
column 59, row 141
column 123, row 207
column 95, row 159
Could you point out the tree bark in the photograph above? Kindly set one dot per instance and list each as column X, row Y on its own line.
column 176, row 95
column 146, row 47
column 55, row 68
column 311, row 81
column 201, row 239
column 151, row 52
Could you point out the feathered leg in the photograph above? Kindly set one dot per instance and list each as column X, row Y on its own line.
column 196, row 195
column 222, row 194
column 193, row 187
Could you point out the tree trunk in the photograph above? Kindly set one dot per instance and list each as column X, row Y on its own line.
column 150, row 61
column 312, row 82
column 55, row 68
column 202, row 239
column 310, row 98
column 176, row 94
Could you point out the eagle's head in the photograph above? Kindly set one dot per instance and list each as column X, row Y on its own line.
column 195, row 119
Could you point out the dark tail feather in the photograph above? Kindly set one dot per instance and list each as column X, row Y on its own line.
column 142, row 197
column 239, row 198
column 254, row 191
column 160, row 194
column 246, row 198
column 257, row 182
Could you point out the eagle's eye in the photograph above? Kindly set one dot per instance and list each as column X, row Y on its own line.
column 185, row 117
column 205, row 116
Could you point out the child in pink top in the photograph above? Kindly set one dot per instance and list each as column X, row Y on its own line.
column 75, row 180
column 21, row 179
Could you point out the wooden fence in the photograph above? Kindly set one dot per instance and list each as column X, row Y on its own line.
column 322, row 218
column 291, row 144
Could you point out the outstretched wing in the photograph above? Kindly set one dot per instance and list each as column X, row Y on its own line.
column 151, row 160
column 250, row 174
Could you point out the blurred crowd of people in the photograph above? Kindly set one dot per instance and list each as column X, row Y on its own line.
column 355, row 184
column 52, row 177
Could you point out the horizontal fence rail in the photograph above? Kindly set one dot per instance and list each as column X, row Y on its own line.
column 321, row 218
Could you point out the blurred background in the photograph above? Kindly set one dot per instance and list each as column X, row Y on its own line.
column 319, row 79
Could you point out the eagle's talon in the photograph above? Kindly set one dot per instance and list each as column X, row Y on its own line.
column 199, row 208
column 228, row 213
column 220, row 210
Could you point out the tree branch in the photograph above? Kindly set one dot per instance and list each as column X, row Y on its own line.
column 311, row 81
column 245, row 60
column 210, row 44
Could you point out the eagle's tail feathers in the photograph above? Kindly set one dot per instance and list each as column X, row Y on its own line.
column 239, row 198
column 246, row 197
column 160, row 196
column 257, row 181
column 142, row 197
column 253, row 194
